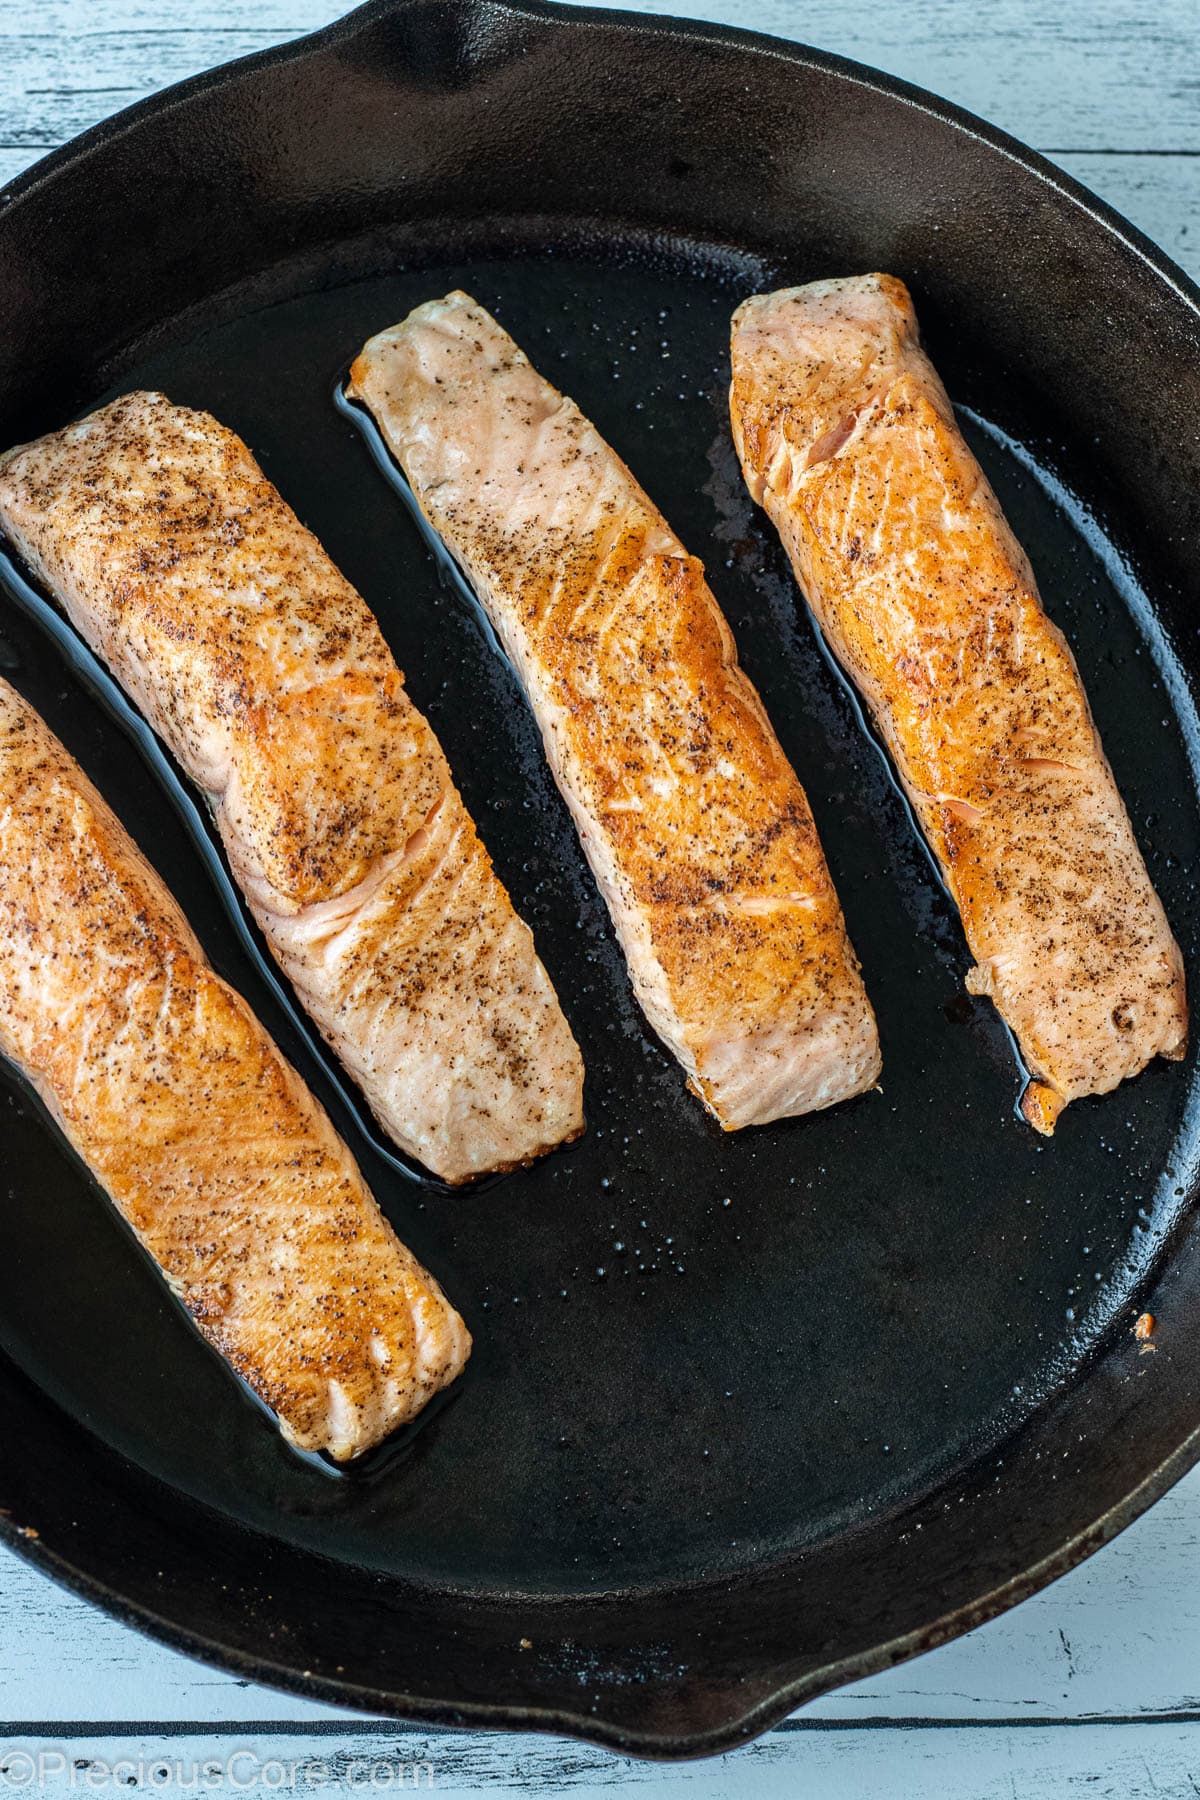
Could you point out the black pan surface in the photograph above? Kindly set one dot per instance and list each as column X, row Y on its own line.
column 747, row 1416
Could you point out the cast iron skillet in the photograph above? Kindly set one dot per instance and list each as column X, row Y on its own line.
column 747, row 1417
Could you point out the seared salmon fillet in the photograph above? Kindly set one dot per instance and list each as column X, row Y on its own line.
column 205, row 1139
column 270, row 681
column 695, row 826
column 847, row 439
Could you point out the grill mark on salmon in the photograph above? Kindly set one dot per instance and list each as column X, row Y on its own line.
column 848, row 440
column 696, row 827
column 268, row 678
column 204, row 1138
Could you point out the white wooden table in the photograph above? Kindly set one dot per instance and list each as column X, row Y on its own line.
column 1094, row 1685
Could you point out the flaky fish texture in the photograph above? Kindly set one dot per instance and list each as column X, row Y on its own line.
column 848, row 440
column 695, row 825
column 207, row 1141
column 268, row 677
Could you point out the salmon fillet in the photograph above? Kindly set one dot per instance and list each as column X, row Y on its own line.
column 206, row 1140
column 846, row 437
column 269, row 679
column 695, row 826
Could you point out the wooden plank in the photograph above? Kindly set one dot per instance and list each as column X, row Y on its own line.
column 988, row 1762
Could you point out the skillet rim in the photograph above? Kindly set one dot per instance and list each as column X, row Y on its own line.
column 763, row 43
column 784, row 1695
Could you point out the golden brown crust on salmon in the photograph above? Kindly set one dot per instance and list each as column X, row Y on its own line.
column 206, row 1140
column 268, row 677
column 695, row 825
column 848, row 440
